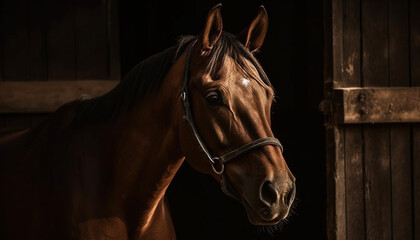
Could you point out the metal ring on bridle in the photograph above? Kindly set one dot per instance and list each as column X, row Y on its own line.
column 217, row 166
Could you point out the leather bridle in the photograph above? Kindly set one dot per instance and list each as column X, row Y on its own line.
column 217, row 163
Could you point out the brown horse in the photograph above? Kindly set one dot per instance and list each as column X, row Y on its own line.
column 99, row 168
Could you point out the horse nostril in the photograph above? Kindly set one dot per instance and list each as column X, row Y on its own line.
column 268, row 193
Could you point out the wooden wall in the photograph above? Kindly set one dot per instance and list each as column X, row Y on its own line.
column 291, row 56
column 47, row 40
column 373, row 169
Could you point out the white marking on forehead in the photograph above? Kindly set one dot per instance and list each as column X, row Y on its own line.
column 245, row 81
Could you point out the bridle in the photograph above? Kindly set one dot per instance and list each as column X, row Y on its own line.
column 217, row 163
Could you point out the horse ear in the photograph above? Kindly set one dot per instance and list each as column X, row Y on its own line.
column 212, row 29
column 253, row 36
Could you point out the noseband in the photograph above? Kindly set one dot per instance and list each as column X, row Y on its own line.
column 217, row 163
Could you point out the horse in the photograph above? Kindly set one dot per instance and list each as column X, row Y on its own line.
column 99, row 168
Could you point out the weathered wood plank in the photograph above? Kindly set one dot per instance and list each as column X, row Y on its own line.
column 402, row 224
column 36, row 54
column 377, row 182
column 61, row 50
column 415, row 82
column 42, row 97
column 399, row 55
column 375, row 43
column 114, row 40
column 92, row 40
column 15, row 41
column 59, row 40
column 2, row 42
column 23, row 41
column 353, row 157
column 336, row 188
column 351, row 41
column 376, row 105
column 415, row 43
column 400, row 151
column 337, row 42
column 377, row 179
column 416, row 179
column 355, row 202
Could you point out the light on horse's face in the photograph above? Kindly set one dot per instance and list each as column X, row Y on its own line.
column 245, row 82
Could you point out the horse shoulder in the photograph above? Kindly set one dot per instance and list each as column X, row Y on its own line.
column 160, row 226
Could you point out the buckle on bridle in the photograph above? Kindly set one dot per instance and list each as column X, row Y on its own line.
column 217, row 165
column 183, row 96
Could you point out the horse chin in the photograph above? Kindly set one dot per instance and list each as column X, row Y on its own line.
column 258, row 222
column 256, row 217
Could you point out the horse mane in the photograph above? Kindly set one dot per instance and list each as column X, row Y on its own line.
column 146, row 77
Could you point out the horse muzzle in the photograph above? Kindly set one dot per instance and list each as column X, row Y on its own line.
column 273, row 203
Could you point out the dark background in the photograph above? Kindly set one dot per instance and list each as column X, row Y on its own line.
column 292, row 57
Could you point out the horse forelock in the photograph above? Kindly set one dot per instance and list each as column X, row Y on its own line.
column 229, row 45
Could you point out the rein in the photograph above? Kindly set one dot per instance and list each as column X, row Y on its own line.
column 217, row 163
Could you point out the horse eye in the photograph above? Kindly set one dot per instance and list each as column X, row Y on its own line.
column 214, row 99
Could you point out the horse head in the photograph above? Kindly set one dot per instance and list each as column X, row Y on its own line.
column 227, row 100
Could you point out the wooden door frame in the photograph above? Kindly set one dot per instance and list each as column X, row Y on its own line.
column 346, row 109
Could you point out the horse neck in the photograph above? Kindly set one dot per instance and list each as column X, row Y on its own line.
column 147, row 146
column 146, row 142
